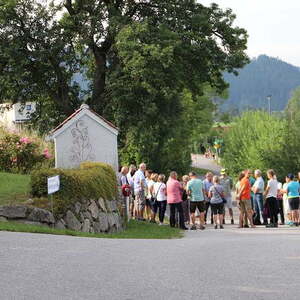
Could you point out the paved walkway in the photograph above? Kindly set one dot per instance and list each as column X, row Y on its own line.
column 212, row 264
column 199, row 161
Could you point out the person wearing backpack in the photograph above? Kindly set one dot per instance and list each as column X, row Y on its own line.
column 216, row 194
column 159, row 199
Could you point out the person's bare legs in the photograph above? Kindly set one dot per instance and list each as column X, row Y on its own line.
column 202, row 221
column 216, row 220
column 221, row 217
column 249, row 215
column 230, row 213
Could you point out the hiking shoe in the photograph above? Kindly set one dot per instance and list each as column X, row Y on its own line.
column 246, row 226
column 270, row 226
column 232, row 222
column 221, row 227
column 202, row 227
column 194, row 227
column 216, row 226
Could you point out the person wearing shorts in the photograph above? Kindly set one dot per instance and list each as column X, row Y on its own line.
column 139, row 182
column 227, row 185
column 292, row 191
column 244, row 198
column 216, row 194
column 196, row 191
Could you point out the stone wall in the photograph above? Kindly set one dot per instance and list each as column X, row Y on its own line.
column 93, row 216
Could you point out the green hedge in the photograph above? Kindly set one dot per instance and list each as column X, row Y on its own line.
column 91, row 181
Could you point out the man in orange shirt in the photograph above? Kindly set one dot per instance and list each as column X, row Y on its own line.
column 245, row 199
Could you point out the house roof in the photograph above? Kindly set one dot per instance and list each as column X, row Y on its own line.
column 84, row 108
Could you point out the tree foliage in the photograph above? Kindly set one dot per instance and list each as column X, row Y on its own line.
column 260, row 141
column 147, row 64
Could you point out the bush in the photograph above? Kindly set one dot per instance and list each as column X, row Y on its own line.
column 91, row 181
column 20, row 154
column 256, row 141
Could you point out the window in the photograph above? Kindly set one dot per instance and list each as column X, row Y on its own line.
column 28, row 106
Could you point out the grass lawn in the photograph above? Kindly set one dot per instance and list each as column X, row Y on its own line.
column 135, row 230
column 13, row 188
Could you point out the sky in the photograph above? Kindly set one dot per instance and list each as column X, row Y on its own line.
column 273, row 26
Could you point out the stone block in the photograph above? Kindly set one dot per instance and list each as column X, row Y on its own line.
column 14, row 212
column 112, row 206
column 86, row 225
column 93, row 208
column 103, row 220
column 41, row 215
column 60, row 224
column 72, row 222
column 102, row 206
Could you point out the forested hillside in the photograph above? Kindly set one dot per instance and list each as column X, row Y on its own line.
column 262, row 77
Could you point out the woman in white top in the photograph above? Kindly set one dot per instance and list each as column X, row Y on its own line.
column 271, row 198
column 159, row 196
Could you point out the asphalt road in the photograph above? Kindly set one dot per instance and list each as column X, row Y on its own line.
column 214, row 264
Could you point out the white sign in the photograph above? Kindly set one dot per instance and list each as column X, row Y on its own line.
column 53, row 184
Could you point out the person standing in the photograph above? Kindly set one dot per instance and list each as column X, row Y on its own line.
column 149, row 184
column 258, row 189
column 216, row 195
column 271, row 198
column 227, row 185
column 174, row 199
column 244, row 198
column 280, row 203
column 160, row 194
column 130, row 174
column 207, row 183
column 125, row 190
column 139, row 191
column 196, row 191
column 185, row 199
column 293, row 198
column 252, row 181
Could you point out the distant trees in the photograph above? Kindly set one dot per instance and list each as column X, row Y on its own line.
column 258, row 140
column 262, row 77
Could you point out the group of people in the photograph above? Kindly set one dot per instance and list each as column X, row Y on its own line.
column 148, row 194
column 261, row 202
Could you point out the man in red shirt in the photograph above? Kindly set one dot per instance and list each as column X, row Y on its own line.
column 245, row 199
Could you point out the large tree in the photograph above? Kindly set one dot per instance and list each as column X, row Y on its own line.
column 140, row 58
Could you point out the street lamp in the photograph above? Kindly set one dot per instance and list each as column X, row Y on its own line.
column 269, row 97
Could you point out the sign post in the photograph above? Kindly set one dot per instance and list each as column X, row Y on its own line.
column 53, row 187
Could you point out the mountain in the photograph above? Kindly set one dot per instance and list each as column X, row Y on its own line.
column 262, row 77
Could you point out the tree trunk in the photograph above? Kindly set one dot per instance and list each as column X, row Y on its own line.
column 98, row 101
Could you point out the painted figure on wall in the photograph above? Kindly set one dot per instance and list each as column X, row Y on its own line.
column 81, row 149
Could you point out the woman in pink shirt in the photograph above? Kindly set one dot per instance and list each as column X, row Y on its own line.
column 174, row 198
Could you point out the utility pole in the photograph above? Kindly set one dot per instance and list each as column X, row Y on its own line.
column 269, row 97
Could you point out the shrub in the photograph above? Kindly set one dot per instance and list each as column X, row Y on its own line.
column 256, row 141
column 91, row 181
column 20, row 154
